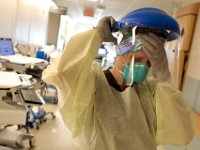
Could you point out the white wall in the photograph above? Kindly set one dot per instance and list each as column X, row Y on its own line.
column 188, row 2
column 24, row 20
column 54, row 21
column 7, row 18
column 194, row 57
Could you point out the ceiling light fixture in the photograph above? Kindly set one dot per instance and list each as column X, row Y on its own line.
column 92, row 0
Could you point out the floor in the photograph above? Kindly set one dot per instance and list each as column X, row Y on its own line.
column 53, row 134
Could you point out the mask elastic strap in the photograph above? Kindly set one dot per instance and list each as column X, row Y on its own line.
column 119, row 37
column 133, row 34
column 131, row 72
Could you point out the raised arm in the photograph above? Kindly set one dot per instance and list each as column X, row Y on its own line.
column 72, row 72
column 174, row 117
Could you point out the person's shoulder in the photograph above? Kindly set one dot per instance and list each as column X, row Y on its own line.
column 149, row 83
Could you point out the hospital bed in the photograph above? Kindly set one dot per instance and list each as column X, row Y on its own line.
column 13, row 108
column 31, row 66
column 28, row 65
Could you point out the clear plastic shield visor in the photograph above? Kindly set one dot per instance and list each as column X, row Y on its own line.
column 128, row 42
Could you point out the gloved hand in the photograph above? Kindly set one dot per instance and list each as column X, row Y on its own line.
column 104, row 25
column 153, row 46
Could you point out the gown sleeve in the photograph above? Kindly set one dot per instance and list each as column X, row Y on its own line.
column 174, row 117
column 72, row 75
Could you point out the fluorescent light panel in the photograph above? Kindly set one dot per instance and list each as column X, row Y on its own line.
column 92, row 0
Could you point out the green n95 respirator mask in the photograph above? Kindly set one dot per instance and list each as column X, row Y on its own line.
column 138, row 73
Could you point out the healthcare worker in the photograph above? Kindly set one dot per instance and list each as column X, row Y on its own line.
column 131, row 106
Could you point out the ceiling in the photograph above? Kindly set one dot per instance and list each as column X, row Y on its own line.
column 115, row 8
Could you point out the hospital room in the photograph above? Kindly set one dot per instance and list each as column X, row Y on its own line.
column 99, row 75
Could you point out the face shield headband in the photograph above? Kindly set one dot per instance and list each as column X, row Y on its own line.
column 128, row 42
